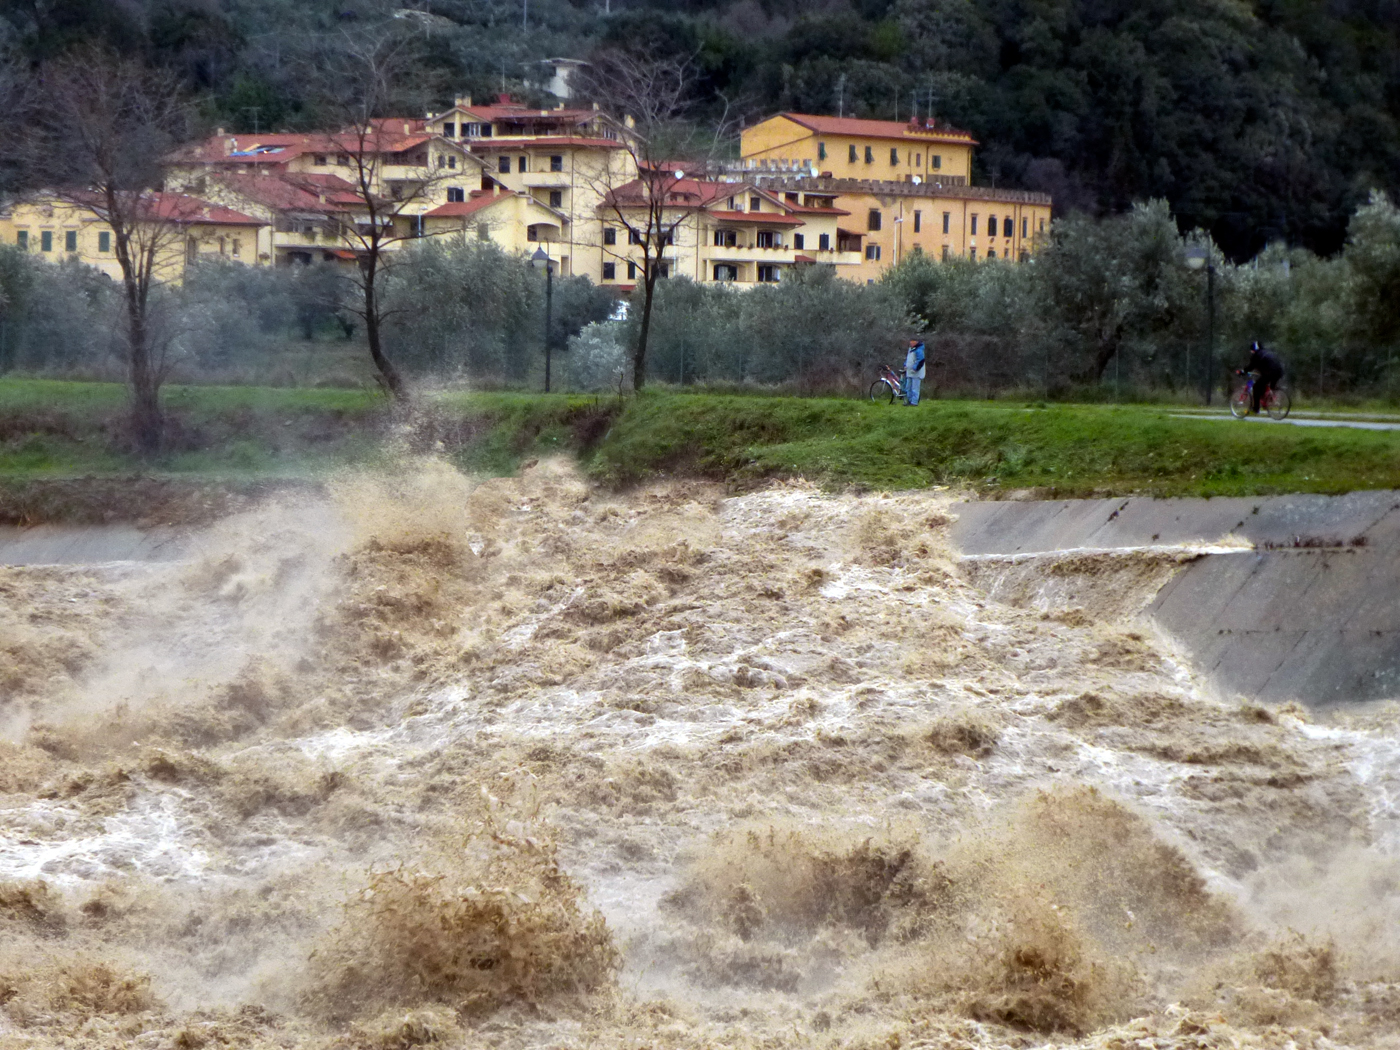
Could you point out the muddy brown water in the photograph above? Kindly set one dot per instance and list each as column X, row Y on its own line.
column 521, row 763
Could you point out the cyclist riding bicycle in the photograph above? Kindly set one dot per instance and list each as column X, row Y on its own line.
column 1270, row 370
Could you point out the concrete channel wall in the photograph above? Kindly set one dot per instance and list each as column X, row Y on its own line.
column 1312, row 613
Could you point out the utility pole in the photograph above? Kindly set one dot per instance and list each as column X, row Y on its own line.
column 1210, row 328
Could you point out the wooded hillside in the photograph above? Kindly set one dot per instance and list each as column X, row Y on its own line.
column 1258, row 120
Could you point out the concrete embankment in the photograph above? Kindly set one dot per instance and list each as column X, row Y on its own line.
column 1308, row 607
column 87, row 544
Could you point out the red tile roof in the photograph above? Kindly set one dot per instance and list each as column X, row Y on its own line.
column 680, row 193
column 294, row 192
column 178, row 208
column 515, row 145
column 882, row 129
column 478, row 201
column 764, row 218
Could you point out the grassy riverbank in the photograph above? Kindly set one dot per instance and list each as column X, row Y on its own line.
column 70, row 436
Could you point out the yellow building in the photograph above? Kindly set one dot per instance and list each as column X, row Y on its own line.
column 181, row 230
column 730, row 232
column 516, row 222
column 404, row 162
column 847, row 148
column 906, row 186
column 566, row 159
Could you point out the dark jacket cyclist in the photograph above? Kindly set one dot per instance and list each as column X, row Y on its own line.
column 1270, row 370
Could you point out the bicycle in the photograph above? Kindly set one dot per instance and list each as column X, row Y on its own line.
column 1277, row 403
column 889, row 388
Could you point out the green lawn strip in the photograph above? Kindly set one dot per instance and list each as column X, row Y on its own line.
column 242, row 435
column 1061, row 450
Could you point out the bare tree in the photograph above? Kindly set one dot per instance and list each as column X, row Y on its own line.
column 99, row 130
column 651, row 98
column 392, row 167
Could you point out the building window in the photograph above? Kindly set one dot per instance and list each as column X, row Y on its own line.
column 872, row 252
column 853, row 155
column 532, row 233
column 483, row 232
column 768, row 239
column 755, row 204
column 1008, row 228
column 319, row 160
column 870, row 154
column 972, row 253
column 824, row 242
column 633, row 237
column 505, row 164
column 631, row 271
column 22, row 240
column 223, row 247
column 991, row 253
column 874, row 221
column 726, row 272
column 452, row 160
column 1042, row 225
column 609, row 271
column 937, row 160
column 1025, row 227
column 609, row 235
column 485, row 131
column 791, row 198
column 237, row 247
column 523, row 166
column 556, row 163
column 799, row 242
column 894, row 155
column 556, row 198
column 456, row 195
column 46, row 241
column 767, row 275
column 343, row 159
column 1024, row 255
column 663, row 269
column 918, row 159
column 947, row 253
column 991, row 226
column 947, row 220
column 70, row 240
column 974, row 224
column 918, row 220
column 104, row 241
column 726, row 238
column 821, row 151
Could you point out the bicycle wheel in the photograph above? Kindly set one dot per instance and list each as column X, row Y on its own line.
column 1279, row 404
column 880, row 390
column 1239, row 402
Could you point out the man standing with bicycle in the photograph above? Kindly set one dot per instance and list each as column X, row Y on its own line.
column 913, row 371
column 1270, row 370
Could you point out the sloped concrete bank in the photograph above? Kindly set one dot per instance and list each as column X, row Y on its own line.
column 1277, row 598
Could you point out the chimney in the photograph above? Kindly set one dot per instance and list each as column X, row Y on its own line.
column 628, row 122
column 219, row 132
column 406, row 126
column 503, row 99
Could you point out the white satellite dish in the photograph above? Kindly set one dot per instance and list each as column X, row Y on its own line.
column 680, row 175
column 917, row 180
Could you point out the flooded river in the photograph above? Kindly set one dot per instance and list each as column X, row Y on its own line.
column 522, row 763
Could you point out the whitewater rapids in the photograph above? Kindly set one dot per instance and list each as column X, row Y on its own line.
column 523, row 763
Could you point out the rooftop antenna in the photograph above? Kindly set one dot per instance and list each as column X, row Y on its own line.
column 254, row 110
column 841, row 95
column 525, row 15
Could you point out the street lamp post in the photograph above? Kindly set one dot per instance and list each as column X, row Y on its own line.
column 541, row 260
column 1197, row 256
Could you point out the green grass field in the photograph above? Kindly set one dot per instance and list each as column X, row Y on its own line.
column 59, row 431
